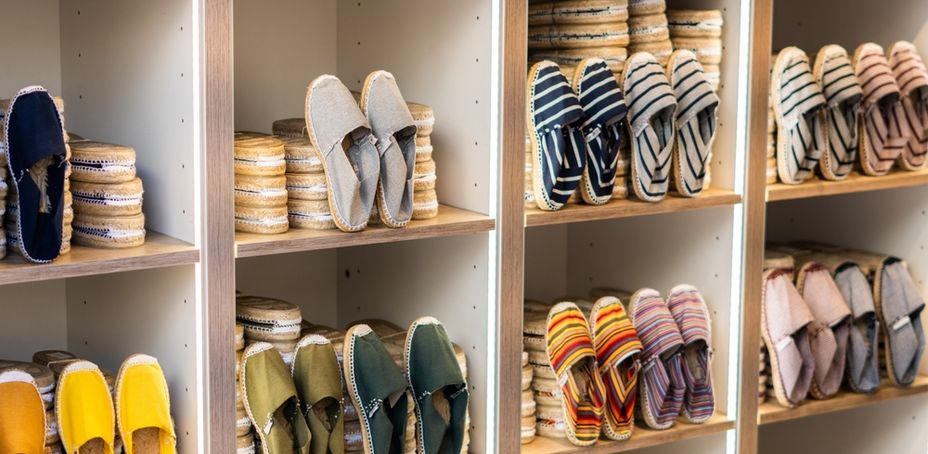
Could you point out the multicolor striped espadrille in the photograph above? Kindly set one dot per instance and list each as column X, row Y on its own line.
column 663, row 385
column 689, row 310
column 617, row 348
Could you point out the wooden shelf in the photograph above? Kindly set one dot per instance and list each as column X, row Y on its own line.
column 625, row 208
column 771, row 412
column 449, row 222
column 158, row 251
column 855, row 182
column 642, row 438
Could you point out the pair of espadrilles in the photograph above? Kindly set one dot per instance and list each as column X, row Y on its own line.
column 301, row 410
column 84, row 411
column 659, row 349
column 871, row 109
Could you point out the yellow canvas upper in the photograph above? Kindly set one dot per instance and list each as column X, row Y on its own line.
column 84, row 407
column 142, row 401
column 22, row 415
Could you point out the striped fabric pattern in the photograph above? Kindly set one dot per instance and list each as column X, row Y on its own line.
column 797, row 100
column 662, row 383
column 883, row 131
column 651, row 105
column 843, row 94
column 555, row 114
column 690, row 312
column 572, row 356
column 604, row 108
column 617, row 348
column 912, row 78
column 696, row 119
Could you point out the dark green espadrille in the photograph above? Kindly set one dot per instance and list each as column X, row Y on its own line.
column 271, row 401
column 438, row 388
column 318, row 382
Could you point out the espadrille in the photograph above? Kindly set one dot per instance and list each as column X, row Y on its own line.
column 785, row 320
column 830, row 329
column 899, row 306
column 707, row 50
column 645, row 7
column 306, row 186
column 438, row 388
column 425, row 205
column 423, row 149
column 100, row 162
column 613, row 56
column 660, row 50
column 377, row 389
column 143, row 407
column 51, row 429
column 34, row 139
column 271, row 401
column 318, row 382
column 617, row 349
column 661, row 378
column 695, row 120
column 691, row 313
column 554, row 118
column 527, row 376
column 301, row 156
column 259, row 155
column 603, row 128
column 109, row 232
column 102, row 199
column 42, row 375
column 245, row 444
column 260, row 191
column 289, row 128
column 395, row 130
column 264, row 220
column 863, row 367
column 341, row 133
column 883, row 130
column 268, row 319
column 84, row 410
column 22, row 414
column 577, row 12
column 912, row 79
column 695, row 23
column 423, row 116
column 651, row 107
column 310, row 214
column 843, row 94
column 648, row 29
column 242, row 423
column 578, row 36
column 424, row 177
column 797, row 102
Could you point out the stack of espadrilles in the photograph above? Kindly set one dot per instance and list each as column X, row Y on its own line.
column 772, row 175
column 647, row 29
column 244, row 438
column 107, row 196
column 549, row 417
column 260, row 184
column 270, row 320
column 699, row 31
column 425, row 199
column 528, row 401
column 307, row 194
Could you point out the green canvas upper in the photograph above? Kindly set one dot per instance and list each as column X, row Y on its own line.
column 271, row 400
column 318, row 382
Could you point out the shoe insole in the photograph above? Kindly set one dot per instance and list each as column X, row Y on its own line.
column 327, row 411
column 695, row 367
column 146, row 441
column 441, row 403
column 95, row 446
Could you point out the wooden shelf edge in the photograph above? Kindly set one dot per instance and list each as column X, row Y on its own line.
column 626, row 208
column 854, row 183
column 159, row 251
column 771, row 412
column 450, row 222
column 641, row 438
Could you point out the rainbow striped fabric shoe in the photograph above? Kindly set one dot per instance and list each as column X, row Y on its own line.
column 663, row 385
column 692, row 315
column 617, row 348
column 570, row 349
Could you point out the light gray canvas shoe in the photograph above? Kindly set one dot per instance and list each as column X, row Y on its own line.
column 899, row 306
column 395, row 130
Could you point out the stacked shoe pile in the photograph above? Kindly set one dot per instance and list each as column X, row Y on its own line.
column 260, row 184
column 272, row 321
column 107, row 196
column 425, row 199
column 699, row 31
column 307, row 194
column 771, row 156
column 648, row 29
column 244, row 438
column 528, row 401
column 833, row 318
column 568, row 32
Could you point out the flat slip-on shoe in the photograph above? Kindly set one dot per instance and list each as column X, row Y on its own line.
column 784, row 328
column 318, row 380
column 43, row 376
column 695, row 120
column 577, row 12
column 603, row 129
column 797, row 103
column 912, row 79
column 883, row 130
column 271, row 401
column 651, row 107
column 617, row 349
column 830, row 330
column 691, row 313
column 259, row 155
column 582, row 393
column 899, row 306
column 84, row 410
column 22, row 414
column 377, row 389
column 99, row 199
column 341, row 133
column 663, row 385
column 554, row 117
column 395, row 130
column 843, row 94
column 438, row 388
column 143, row 407
column 33, row 137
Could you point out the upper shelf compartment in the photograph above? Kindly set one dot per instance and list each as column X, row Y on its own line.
column 853, row 183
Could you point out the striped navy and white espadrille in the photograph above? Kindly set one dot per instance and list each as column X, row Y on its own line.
column 651, row 105
column 797, row 103
column 843, row 94
column 883, row 130
column 603, row 129
column 912, row 78
column 554, row 120
column 696, row 120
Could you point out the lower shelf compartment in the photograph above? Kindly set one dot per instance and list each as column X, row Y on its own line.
column 642, row 438
column 771, row 412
